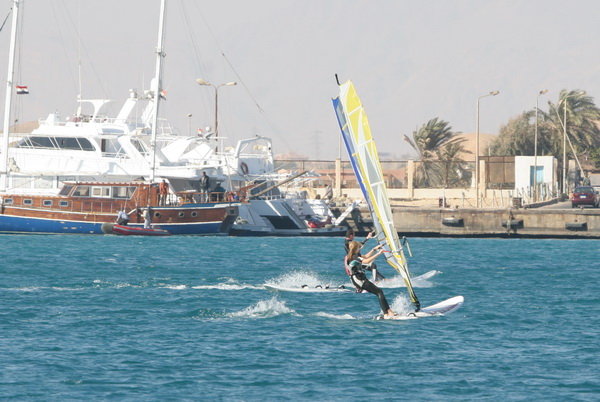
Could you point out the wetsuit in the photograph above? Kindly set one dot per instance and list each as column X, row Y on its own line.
column 359, row 279
column 371, row 267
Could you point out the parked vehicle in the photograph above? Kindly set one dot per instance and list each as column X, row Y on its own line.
column 585, row 195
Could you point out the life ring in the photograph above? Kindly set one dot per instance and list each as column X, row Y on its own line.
column 244, row 167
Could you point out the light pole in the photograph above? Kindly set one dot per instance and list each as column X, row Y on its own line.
column 216, row 87
column 535, row 146
column 564, row 123
column 493, row 93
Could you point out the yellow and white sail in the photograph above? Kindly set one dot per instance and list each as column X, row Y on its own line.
column 362, row 151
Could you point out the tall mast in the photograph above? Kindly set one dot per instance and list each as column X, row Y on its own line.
column 9, row 91
column 157, row 83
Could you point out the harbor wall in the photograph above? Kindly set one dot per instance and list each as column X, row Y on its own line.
column 498, row 222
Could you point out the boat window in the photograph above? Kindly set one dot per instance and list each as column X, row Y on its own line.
column 111, row 147
column 139, row 145
column 63, row 203
column 75, row 144
column 101, row 192
column 28, row 201
column 123, row 192
column 86, row 145
column 48, row 203
column 41, row 142
column 65, row 190
column 8, row 201
column 82, row 191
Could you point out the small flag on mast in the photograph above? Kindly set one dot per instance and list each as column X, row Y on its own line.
column 163, row 94
column 22, row 90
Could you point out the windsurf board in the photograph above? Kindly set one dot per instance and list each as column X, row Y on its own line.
column 444, row 307
column 310, row 289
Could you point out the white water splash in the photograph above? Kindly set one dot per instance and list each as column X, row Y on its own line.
column 402, row 304
column 297, row 279
column 229, row 284
column 264, row 309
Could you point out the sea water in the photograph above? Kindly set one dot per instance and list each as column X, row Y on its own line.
column 188, row 318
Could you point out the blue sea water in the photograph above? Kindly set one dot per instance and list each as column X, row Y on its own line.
column 188, row 318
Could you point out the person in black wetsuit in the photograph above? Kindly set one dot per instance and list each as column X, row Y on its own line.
column 356, row 262
column 369, row 267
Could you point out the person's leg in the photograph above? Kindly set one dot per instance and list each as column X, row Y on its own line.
column 372, row 288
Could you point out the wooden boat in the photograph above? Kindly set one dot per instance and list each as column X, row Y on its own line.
column 137, row 231
column 83, row 207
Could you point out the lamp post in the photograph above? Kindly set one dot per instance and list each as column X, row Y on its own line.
column 493, row 93
column 216, row 87
column 535, row 146
column 564, row 123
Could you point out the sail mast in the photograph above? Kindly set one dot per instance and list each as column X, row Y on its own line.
column 9, row 92
column 157, row 83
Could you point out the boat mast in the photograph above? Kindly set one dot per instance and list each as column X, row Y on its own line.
column 9, row 91
column 157, row 84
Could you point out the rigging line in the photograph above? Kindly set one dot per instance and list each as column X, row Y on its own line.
column 78, row 34
column 260, row 109
column 62, row 42
column 8, row 15
column 192, row 37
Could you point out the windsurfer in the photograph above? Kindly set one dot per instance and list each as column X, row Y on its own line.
column 369, row 267
column 356, row 262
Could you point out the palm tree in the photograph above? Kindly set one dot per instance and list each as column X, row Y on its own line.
column 431, row 136
column 433, row 142
column 452, row 165
column 581, row 116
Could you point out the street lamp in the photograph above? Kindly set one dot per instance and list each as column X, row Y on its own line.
column 216, row 87
column 493, row 93
column 542, row 92
column 564, row 124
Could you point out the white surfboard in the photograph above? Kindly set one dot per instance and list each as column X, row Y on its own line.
column 445, row 307
column 310, row 289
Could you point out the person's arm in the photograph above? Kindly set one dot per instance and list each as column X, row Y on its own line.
column 370, row 258
column 370, row 253
column 369, row 236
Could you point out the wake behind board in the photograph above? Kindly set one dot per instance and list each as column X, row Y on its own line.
column 310, row 289
column 445, row 307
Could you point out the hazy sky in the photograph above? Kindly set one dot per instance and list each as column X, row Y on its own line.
column 409, row 60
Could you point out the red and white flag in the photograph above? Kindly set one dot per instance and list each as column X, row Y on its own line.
column 163, row 94
column 22, row 89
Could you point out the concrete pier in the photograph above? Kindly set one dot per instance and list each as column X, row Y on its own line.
column 473, row 222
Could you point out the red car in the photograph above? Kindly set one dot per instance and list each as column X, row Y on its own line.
column 585, row 195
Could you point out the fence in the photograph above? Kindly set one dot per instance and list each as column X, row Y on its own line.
column 395, row 172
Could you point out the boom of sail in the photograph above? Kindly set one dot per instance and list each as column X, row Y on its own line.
column 364, row 158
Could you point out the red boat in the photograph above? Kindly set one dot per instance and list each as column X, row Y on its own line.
column 137, row 231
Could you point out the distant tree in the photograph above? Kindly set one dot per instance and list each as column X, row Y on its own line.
column 438, row 149
column 453, row 167
column 516, row 137
column 582, row 116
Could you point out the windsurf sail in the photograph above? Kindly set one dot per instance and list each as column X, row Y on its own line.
column 364, row 159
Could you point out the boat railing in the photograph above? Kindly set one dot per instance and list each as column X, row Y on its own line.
column 196, row 197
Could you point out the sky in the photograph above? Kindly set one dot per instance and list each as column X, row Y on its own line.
column 410, row 61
